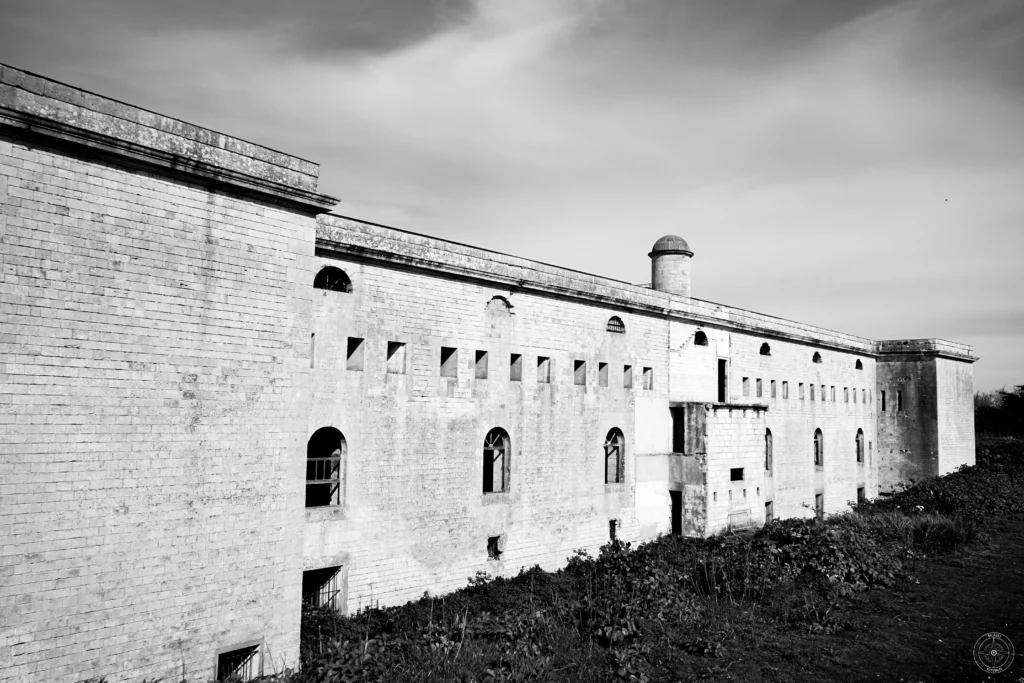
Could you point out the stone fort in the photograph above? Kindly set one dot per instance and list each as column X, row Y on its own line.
column 220, row 400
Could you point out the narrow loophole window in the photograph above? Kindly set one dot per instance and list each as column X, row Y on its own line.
column 515, row 368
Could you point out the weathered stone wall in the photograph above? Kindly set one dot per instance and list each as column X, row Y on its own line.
column 955, row 387
column 908, row 439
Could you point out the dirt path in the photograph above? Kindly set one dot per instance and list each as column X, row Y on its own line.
column 914, row 632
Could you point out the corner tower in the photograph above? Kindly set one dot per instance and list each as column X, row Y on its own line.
column 670, row 265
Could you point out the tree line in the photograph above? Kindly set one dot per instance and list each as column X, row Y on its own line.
column 1000, row 412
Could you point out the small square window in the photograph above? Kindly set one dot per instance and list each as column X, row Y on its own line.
column 449, row 362
column 242, row 664
column 579, row 373
column 649, row 378
column 736, row 474
column 758, row 387
column 773, row 388
column 515, row 368
column 627, row 376
column 602, row 374
column 354, row 357
column 785, row 390
column 494, row 548
column 481, row 365
column 396, row 358
column 746, row 386
column 543, row 370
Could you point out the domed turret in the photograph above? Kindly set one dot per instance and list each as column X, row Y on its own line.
column 670, row 265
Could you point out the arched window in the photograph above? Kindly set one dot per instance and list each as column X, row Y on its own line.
column 816, row 357
column 860, row 446
column 496, row 461
column 614, row 457
column 819, row 448
column 858, row 365
column 700, row 339
column 766, row 350
column 616, row 325
column 325, row 467
column 333, row 280
column 768, row 451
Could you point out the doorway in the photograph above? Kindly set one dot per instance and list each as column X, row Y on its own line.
column 677, row 512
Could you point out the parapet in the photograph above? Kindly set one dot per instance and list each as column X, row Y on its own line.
column 37, row 107
column 925, row 347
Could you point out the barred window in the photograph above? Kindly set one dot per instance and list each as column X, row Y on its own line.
column 322, row 588
column 325, row 466
column 496, row 461
column 333, row 280
column 614, row 457
column 242, row 664
column 616, row 325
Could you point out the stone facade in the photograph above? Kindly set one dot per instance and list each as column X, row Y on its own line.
column 167, row 360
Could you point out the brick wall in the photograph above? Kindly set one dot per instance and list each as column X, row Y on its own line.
column 153, row 418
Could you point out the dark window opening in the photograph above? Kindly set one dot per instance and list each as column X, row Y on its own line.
column 758, row 387
column 722, row 377
column 627, row 376
column 243, row 664
column 816, row 358
column 325, row 456
column 766, row 350
column 769, row 512
column 449, row 362
column 819, row 448
column 616, row 325
column 700, row 339
column 332, row 279
column 543, row 370
column 322, row 588
column 899, row 400
column 354, row 354
column 858, row 365
column 768, row 451
column 481, row 365
column 579, row 372
column 396, row 358
column 649, row 378
column 614, row 457
column 773, row 388
column 494, row 549
column 860, row 446
column 678, row 429
column 613, row 529
column 846, row 394
column 802, row 391
column 860, row 495
column 832, row 394
column 677, row 511
column 819, row 505
column 823, row 392
column 312, row 350
column 515, row 368
column 736, row 474
column 812, row 392
column 746, row 386
column 602, row 374
column 496, row 461
column 883, row 400
column 785, row 390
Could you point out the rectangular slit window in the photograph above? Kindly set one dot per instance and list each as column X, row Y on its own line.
column 819, row 505
column 602, row 374
column 736, row 474
column 758, row 387
column 648, row 378
column 846, row 394
column 494, row 547
column 832, row 394
column 579, row 373
column 543, row 370
column 396, row 358
column 515, row 368
column 773, row 388
column 481, row 365
column 322, row 588
column 801, row 391
column 860, row 494
column 354, row 355
column 723, row 370
column 243, row 664
column 613, row 529
column 823, row 392
column 769, row 512
column 312, row 350
column 785, row 390
column 883, row 400
column 449, row 362
column 627, row 376
column 899, row 400
column 678, row 429
column 812, row 392
column 746, row 386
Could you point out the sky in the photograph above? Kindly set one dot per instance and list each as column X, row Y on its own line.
column 855, row 165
